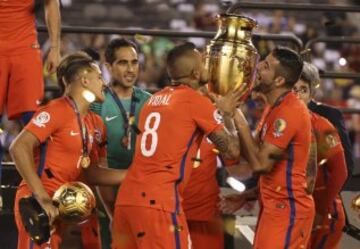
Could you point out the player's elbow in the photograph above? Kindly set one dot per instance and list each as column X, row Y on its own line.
column 15, row 149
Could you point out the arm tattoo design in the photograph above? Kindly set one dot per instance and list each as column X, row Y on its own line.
column 225, row 143
column 311, row 170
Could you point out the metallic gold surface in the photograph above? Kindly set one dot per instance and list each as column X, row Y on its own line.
column 230, row 57
column 356, row 203
column 76, row 202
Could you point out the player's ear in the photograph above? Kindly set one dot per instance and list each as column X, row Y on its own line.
column 280, row 81
column 195, row 74
column 84, row 81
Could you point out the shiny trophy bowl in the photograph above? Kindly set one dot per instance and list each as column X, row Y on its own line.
column 355, row 204
column 231, row 57
column 75, row 200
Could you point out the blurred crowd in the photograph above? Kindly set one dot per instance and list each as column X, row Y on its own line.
column 200, row 16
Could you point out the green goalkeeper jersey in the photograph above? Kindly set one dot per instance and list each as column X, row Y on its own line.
column 118, row 156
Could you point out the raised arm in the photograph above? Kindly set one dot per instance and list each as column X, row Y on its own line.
column 53, row 22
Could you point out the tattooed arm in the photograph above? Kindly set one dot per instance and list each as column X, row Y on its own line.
column 227, row 144
column 311, row 170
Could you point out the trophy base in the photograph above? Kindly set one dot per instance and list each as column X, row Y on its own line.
column 35, row 220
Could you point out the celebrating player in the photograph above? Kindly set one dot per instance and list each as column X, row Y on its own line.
column 148, row 212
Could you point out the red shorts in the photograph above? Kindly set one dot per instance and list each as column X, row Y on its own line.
column 90, row 233
column 21, row 82
column 276, row 231
column 329, row 236
column 207, row 234
column 145, row 228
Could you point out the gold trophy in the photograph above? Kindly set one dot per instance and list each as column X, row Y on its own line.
column 231, row 57
column 75, row 200
column 355, row 204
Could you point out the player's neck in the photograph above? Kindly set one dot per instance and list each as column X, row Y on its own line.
column 81, row 103
column 123, row 92
column 275, row 94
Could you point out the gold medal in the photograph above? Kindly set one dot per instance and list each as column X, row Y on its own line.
column 85, row 161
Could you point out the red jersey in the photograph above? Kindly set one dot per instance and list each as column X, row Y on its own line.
column 201, row 194
column 57, row 124
column 332, row 171
column 170, row 122
column 17, row 25
column 287, row 126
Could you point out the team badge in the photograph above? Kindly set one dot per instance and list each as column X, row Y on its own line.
column 218, row 117
column 331, row 140
column 41, row 119
column 279, row 127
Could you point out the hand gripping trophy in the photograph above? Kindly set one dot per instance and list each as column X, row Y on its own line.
column 75, row 200
column 230, row 57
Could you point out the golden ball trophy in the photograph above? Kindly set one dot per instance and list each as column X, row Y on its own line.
column 75, row 200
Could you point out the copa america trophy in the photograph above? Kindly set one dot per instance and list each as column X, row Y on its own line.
column 355, row 204
column 75, row 201
column 231, row 57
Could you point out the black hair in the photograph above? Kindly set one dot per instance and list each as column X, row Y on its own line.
column 290, row 66
column 178, row 52
column 92, row 53
column 114, row 45
column 64, row 63
column 74, row 67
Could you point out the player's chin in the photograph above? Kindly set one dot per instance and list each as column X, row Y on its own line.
column 129, row 83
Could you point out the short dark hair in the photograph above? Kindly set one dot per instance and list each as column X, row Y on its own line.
column 114, row 45
column 73, row 68
column 290, row 66
column 178, row 52
column 65, row 61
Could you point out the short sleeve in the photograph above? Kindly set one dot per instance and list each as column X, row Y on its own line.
column 45, row 122
column 205, row 115
column 282, row 128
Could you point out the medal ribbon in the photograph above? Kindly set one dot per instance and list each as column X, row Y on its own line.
column 128, row 122
column 84, row 132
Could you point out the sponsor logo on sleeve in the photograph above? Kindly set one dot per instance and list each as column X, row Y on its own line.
column 41, row 119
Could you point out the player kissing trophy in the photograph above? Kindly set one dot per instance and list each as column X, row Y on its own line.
column 75, row 201
column 231, row 57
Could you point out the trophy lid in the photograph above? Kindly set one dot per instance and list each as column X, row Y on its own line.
column 240, row 21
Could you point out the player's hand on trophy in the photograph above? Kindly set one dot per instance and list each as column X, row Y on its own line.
column 50, row 209
column 228, row 103
column 232, row 203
